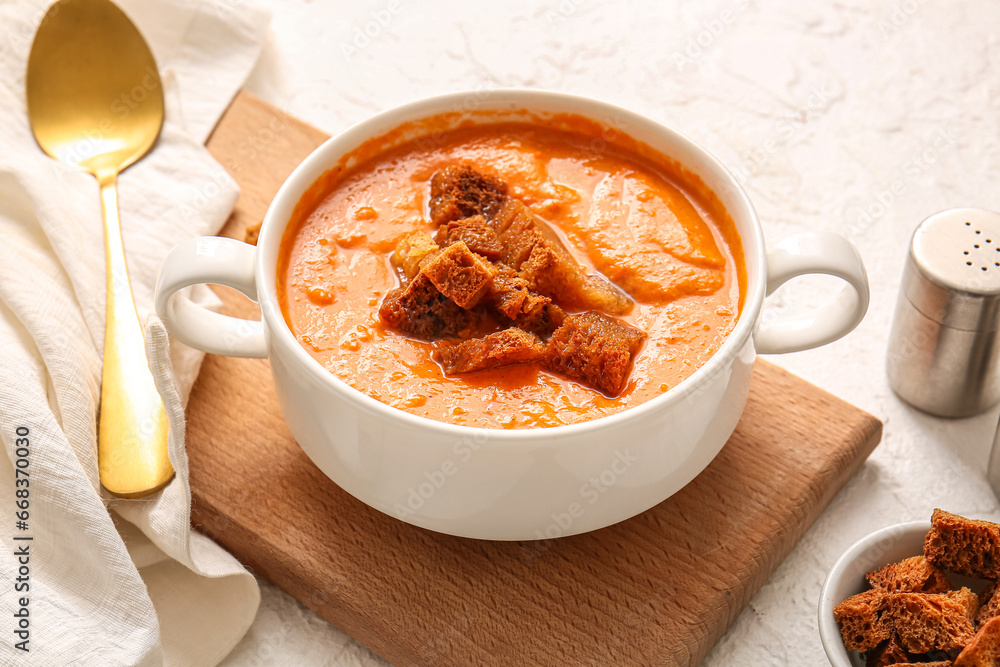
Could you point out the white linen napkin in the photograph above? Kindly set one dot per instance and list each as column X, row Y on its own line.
column 109, row 581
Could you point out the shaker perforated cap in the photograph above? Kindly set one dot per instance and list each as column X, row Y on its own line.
column 952, row 274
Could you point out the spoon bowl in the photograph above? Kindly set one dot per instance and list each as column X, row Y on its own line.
column 95, row 101
column 97, row 108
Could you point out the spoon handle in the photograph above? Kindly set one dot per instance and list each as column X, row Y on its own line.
column 132, row 427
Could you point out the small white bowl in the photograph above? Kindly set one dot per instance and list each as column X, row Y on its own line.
column 847, row 578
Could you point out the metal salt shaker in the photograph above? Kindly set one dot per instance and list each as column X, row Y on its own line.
column 944, row 356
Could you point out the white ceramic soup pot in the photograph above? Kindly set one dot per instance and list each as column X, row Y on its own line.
column 520, row 484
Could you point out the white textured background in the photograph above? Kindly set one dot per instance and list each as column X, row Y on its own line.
column 855, row 116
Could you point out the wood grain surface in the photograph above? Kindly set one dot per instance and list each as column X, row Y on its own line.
column 659, row 589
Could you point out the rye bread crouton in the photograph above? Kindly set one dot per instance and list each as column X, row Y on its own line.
column 533, row 249
column 459, row 191
column 965, row 546
column 475, row 233
column 887, row 653
column 989, row 605
column 553, row 272
column 459, row 274
column 412, row 250
column 513, row 302
column 502, row 348
column 508, row 292
column 984, row 649
column 539, row 315
column 519, row 231
column 594, row 349
column 913, row 575
column 864, row 621
column 420, row 310
column 931, row 622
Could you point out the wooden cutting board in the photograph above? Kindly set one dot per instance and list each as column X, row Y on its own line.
column 659, row 589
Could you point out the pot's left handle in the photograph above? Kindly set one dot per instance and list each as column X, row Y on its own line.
column 814, row 252
column 219, row 261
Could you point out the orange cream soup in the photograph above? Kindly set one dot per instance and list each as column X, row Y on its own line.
column 641, row 220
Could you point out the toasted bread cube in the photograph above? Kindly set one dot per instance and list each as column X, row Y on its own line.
column 990, row 605
column 539, row 315
column 965, row 546
column 887, row 653
column 459, row 191
column 422, row 311
column 473, row 232
column 503, row 348
column 459, row 274
column 913, row 575
column 601, row 294
column 931, row 622
column 556, row 274
column 551, row 271
column 508, row 292
column 864, row 623
column 535, row 251
column 595, row 350
column 520, row 230
column 412, row 250
column 984, row 649
column 514, row 302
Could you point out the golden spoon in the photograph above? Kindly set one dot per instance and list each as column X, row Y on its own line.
column 95, row 101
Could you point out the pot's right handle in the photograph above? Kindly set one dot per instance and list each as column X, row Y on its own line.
column 219, row 261
column 814, row 252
